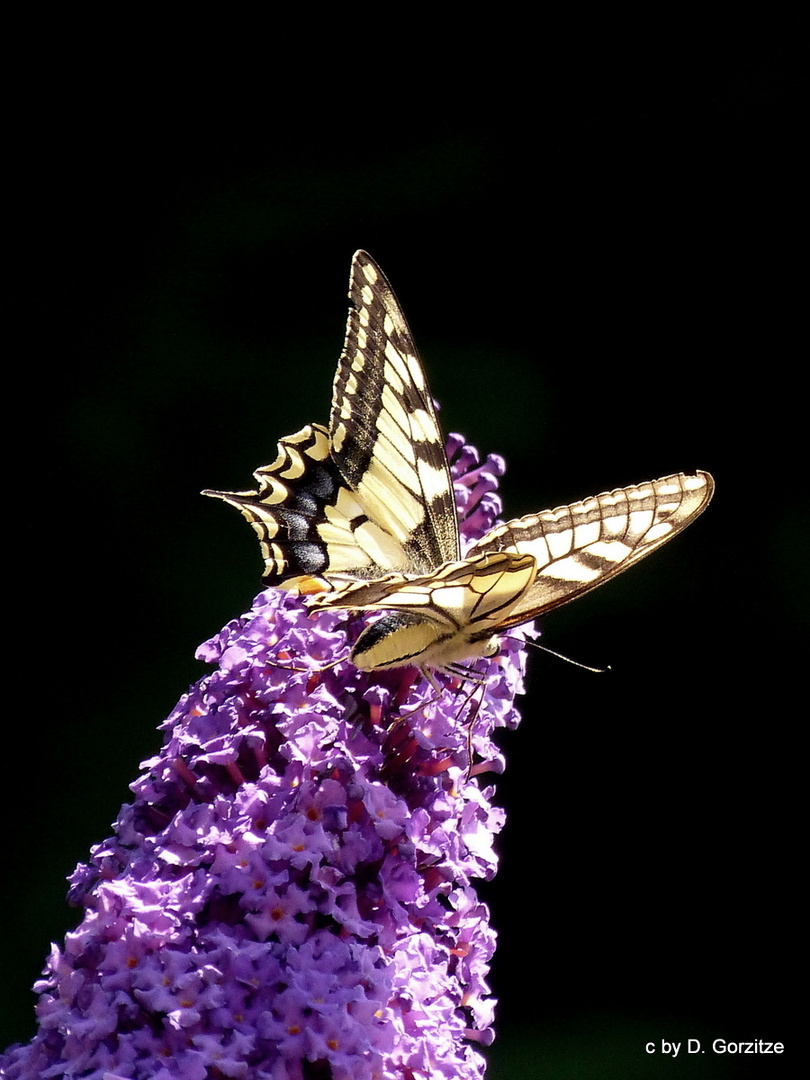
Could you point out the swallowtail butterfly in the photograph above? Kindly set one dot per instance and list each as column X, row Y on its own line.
column 361, row 514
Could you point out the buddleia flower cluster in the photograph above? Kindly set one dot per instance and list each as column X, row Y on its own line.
column 289, row 896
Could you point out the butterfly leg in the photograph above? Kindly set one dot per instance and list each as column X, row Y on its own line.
column 477, row 682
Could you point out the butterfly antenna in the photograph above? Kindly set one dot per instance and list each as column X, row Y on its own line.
column 568, row 660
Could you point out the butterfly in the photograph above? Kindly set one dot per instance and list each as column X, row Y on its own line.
column 360, row 515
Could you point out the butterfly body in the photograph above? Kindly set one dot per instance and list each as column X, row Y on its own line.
column 438, row 619
column 361, row 515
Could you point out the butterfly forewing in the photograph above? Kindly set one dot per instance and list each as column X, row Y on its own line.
column 528, row 566
column 373, row 493
column 580, row 546
column 386, row 440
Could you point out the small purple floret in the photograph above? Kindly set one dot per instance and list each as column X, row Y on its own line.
column 289, row 895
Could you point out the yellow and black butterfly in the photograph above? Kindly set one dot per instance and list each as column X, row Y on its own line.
column 361, row 514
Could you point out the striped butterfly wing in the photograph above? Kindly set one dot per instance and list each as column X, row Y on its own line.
column 373, row 493
column 578, row 547
column 518, row 571
column 386, row 440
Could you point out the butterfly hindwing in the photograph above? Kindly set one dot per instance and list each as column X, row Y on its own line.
column 439, row 618
column 289, row 506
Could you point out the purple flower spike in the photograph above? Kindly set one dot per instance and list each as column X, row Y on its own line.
column 289, row 895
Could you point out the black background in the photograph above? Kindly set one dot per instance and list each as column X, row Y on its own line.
column 595, row 232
